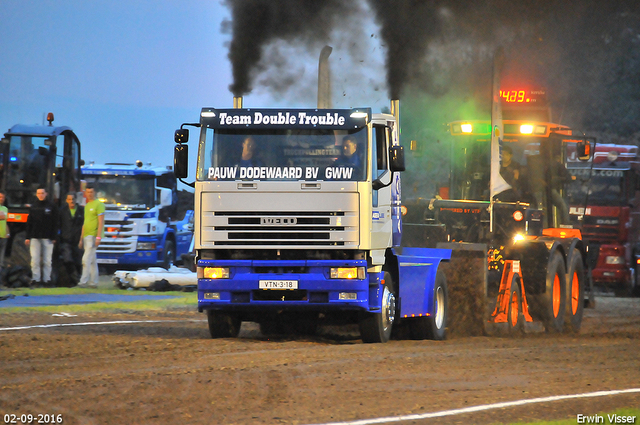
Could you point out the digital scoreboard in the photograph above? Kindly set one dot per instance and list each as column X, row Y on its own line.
column 518, row 96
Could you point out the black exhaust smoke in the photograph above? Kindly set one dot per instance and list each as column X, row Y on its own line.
column 255, row 23
column 584, row 53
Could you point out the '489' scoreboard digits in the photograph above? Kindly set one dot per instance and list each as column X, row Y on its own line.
column 536, row 97
column 525, row 104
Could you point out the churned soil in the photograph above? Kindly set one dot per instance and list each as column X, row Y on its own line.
column 163, row 368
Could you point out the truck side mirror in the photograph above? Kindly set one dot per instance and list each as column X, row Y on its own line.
column 181, row 135
column 181, row 161
column 166, row 197
column 396, row 155
column 583, row 150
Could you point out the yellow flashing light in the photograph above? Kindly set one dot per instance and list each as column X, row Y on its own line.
column 526, row 129
column 466, row 128
column 347, row 272
column 213, row 272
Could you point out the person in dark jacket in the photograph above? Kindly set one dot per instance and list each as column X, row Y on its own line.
column 42, row 230
column 71, row 221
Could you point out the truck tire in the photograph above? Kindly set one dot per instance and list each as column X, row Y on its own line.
column 20, row 255
column 515, row 315
column 222, row 324
column 635, row 292
column 169, row 255
column 376, row 327
column 433, row 326
column 575, row 291
column 550, row 306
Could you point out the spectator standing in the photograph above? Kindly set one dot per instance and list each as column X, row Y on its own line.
column 4, row 231
column 42, row 230
column 71, row 222
column 92, row 232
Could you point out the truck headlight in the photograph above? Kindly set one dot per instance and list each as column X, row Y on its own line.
column 213, row 272
column 347, row 273
column 146, row 246
column 610, row 259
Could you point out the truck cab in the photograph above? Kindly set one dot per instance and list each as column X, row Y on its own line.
column 298, row 217
column 141, row 224
column 605, row 202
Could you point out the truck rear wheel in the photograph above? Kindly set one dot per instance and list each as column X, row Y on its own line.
column 575, row 291
column 376, row 327
column 433, row 326
column 222, row 324
column 550, row 306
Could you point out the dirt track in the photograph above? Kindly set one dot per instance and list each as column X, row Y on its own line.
column 172, row 372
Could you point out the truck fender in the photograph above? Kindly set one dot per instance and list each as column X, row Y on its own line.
column 417, row 270
column 169, row 234
column 375, row 290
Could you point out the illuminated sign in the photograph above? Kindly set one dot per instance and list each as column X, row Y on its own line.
column 326, row 119
column 526, row 97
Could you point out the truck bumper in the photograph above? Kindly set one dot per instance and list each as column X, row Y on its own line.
column 131, row 258
column 610, row 275
column 314, row 289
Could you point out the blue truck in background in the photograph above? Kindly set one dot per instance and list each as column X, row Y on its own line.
column 141, row 224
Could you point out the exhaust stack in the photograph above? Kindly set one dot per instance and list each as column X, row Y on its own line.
column 237, row 102
column 395, row 110
column 324, row 79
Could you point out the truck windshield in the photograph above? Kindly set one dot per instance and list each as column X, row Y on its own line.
column 25, row 166
column 280, row 155
column 124, row 191
column 606, row 187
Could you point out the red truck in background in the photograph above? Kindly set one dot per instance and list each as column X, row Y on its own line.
column 609, row 186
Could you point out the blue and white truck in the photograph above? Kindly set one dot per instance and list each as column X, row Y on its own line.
column 299, row 229
column 141, row 227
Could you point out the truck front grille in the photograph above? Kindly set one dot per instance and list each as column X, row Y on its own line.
column 300, row 229
column 118, row 237
column 290, row 219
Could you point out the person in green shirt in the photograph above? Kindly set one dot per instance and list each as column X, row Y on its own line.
column 92, row 232
column 4, row 230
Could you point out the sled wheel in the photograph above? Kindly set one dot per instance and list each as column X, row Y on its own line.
column 575, row 291
column 223, row 325
column 434, row 325
column 550, row 306
column 376, row 327
column 515, row 316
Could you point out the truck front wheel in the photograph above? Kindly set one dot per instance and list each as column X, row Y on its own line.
column 376, row 327
column 169, row 255
column 222, row 324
